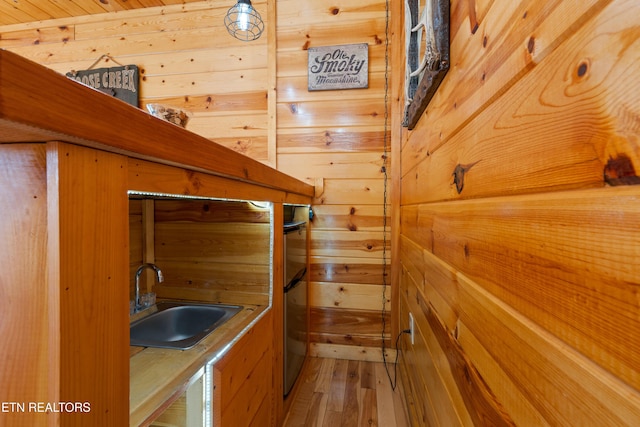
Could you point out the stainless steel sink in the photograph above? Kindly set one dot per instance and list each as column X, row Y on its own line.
column 179, row 325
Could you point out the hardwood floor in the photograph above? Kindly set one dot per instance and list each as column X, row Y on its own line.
column 345, row 393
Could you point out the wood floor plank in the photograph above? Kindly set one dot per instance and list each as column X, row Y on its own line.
column 369, row 409
column 323, row 384
column 338, row 392
column 351, row 408
column 332, row 419
column 300, row 407
column 399, row 406
column 367, row 375
column 317, row 410
column 384, row 394
column 338, row 383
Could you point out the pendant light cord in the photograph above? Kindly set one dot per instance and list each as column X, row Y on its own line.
column 385, row 156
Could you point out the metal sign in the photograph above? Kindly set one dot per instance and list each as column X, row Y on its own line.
column 339, row 67
column 120, row 82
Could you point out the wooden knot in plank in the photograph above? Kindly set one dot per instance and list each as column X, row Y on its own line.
column 458, row 175
column 620, row 171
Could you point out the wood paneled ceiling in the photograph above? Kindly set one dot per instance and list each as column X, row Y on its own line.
column 24, row 11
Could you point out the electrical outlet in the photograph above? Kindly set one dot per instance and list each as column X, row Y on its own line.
column 411, row 327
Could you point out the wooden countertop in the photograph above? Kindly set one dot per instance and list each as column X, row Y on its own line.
column 158, row 376
column 38, row 104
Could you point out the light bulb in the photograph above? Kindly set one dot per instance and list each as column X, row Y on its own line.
column 243, row 16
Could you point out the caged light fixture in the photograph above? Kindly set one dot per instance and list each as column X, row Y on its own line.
column 243, row 21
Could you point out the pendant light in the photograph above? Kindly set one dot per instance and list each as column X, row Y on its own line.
column 243, row 21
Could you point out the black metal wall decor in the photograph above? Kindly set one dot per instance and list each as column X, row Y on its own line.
column 427, row 53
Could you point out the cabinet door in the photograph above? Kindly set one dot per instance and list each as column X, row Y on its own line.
column 243, row 391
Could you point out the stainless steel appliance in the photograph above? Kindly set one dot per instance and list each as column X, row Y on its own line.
column 295, row 301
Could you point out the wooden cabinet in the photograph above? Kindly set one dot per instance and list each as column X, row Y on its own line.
column 65, row 250
column 243, row 392
column 235, row 391
column 66, row 275
column 65, row 278
column 66, row 265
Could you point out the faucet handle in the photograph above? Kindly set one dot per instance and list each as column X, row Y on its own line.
column 148, row 299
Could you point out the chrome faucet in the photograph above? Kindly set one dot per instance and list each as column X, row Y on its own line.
column 159, row 276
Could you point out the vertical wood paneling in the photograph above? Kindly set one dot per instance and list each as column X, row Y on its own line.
column 135, row 242
column 30, row 351
column 243, row 386
column 334, row 139
column 519, row 228
column 88, row 209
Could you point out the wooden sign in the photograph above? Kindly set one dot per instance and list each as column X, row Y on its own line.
column 339, row 67
column 120, row 82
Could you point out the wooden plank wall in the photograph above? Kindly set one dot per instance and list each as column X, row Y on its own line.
column 186, row 59
column 214, row 250
column 334, row 140
column 524, row 284
column 208, row 250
